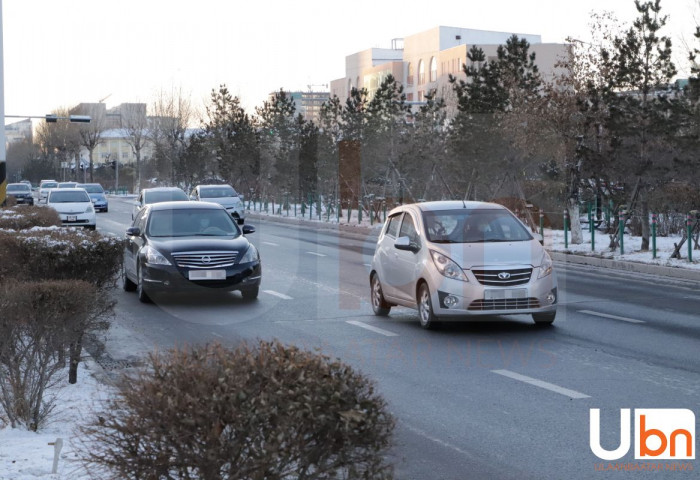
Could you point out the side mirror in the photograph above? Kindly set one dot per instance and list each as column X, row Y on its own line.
column 404, row 243
column 248, row 229
column 133, row 232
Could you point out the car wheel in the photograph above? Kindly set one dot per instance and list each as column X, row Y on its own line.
column 379, row 305
column 106, row 210
column 250, row 293
column 129, row 286
column 544, row 319
column 140, row 291
column 428, row 320
column 90, row 227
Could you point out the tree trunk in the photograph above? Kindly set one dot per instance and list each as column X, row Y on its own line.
column 76, row 349
column 575, row 222
column 646, row 229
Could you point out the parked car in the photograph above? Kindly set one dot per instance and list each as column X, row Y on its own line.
column 67, row 184
column 73, row 206
column 189, row 246
column 21, row 192
column 224, row 195
column 157, row 194
column 97, row 195
column 457, row 260
column 44, row 187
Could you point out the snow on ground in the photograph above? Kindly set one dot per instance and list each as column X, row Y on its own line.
column 27, row 455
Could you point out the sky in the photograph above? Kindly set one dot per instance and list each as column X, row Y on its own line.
column 58, row 53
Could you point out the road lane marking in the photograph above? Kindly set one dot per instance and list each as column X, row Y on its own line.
column 542, row 384
column 367, row 264
column 614, row 317
column 443, row 443
column 271, row 243
column 381, row 331
column 217, row 335
column 317, row 254
column 278, row 294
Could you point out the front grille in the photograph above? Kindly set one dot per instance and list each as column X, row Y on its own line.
column 505, row 304
column 503, row 278
column 205, row 259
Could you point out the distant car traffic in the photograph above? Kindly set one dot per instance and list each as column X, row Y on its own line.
column 21, row 192
column 67, row 184
column 44, row 187
column 97, row 195
column 223, row 195
column 455, row 260
column 156, row 195
column 73, row 206
column 189, row 246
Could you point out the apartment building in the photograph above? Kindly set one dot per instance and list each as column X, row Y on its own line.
column 423, row 61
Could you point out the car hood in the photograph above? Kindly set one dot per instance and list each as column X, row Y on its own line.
column 70, row 207
column 199, row 244
column 471, row 255
column 227, row 202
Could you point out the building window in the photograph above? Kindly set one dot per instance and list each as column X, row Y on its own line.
column 433, row 69
column 421, row 96
column 409, row 97
column 421, row 72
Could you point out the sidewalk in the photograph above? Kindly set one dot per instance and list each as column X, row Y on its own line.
column 574, row 254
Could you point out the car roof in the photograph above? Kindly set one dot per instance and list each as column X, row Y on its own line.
column 18, row 183
column 184, row 206
column 162, row 189
column 448, row 205
column 71, row 189
column 90, row 184
column 214, row 185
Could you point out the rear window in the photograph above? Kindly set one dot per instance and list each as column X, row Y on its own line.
column 49, row 185
column 18, row 187
column 167, row 196
column 58, row 196
column 92, row 188
column 217, row 192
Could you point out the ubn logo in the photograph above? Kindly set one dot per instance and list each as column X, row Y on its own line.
column 660, row 433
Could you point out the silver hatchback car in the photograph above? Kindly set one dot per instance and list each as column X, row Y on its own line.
column 453, row 260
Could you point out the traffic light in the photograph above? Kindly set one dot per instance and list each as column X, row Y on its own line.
column 51, row 118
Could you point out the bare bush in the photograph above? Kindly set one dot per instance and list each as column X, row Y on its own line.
column 269, row 412
column 40, row 323
column 24, row 217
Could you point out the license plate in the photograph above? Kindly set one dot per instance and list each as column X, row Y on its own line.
column 207, row 274
column 505, row 294
column 72, row 218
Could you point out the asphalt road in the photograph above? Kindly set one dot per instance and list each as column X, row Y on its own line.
column 498, row 399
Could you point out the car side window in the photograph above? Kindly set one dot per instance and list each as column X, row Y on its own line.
column 139, row 220
column 392, row 227
column 408, row 229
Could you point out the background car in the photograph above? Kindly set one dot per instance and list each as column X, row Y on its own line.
column 21, row 192
column 189, row 246
column 73, row 206
column 44, row 187
column 156, row 195
column 224, row 195
column 454, row 260
column 67, row 184
column 97, row 195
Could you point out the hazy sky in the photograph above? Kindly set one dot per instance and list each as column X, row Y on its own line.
column 62, row 52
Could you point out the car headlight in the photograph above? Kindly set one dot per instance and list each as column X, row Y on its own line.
column 89, row 209
column 545, row 266
column 154, row 257
column 448, row 267
column 251, row 255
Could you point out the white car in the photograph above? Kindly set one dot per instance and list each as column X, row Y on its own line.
column 44, row 188
column 73, row 206
column 455, row 260
column 223, row 195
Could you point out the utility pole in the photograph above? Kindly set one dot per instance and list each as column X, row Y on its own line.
column 3, row 165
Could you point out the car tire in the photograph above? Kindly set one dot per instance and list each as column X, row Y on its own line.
column 129, row 286
column 379, row 305
column 545, row 318
column 90, row 227
column 428, row 320
column 140, row 291
column 106, row 210
column 250, row 293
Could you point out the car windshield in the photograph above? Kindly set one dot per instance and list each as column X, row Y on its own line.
column 92, row 188
column 18, row 187
column 166, row 196
column 68, row 197
column 474, row 226
column 191, row 222
column 217, row 192
column 49, row 185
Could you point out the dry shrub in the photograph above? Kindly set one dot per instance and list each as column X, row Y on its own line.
column 41, row 324
column 60, row 254
column 24, row 217
column 268, row 412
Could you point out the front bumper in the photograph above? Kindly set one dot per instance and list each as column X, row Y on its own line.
column 100, row 204
column 454, row 298
column 168, row 278
column 78, row 219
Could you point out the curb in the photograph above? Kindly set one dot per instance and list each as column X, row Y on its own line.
column 365, row 233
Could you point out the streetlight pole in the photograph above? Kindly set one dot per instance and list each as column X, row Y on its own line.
column 3, row 165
